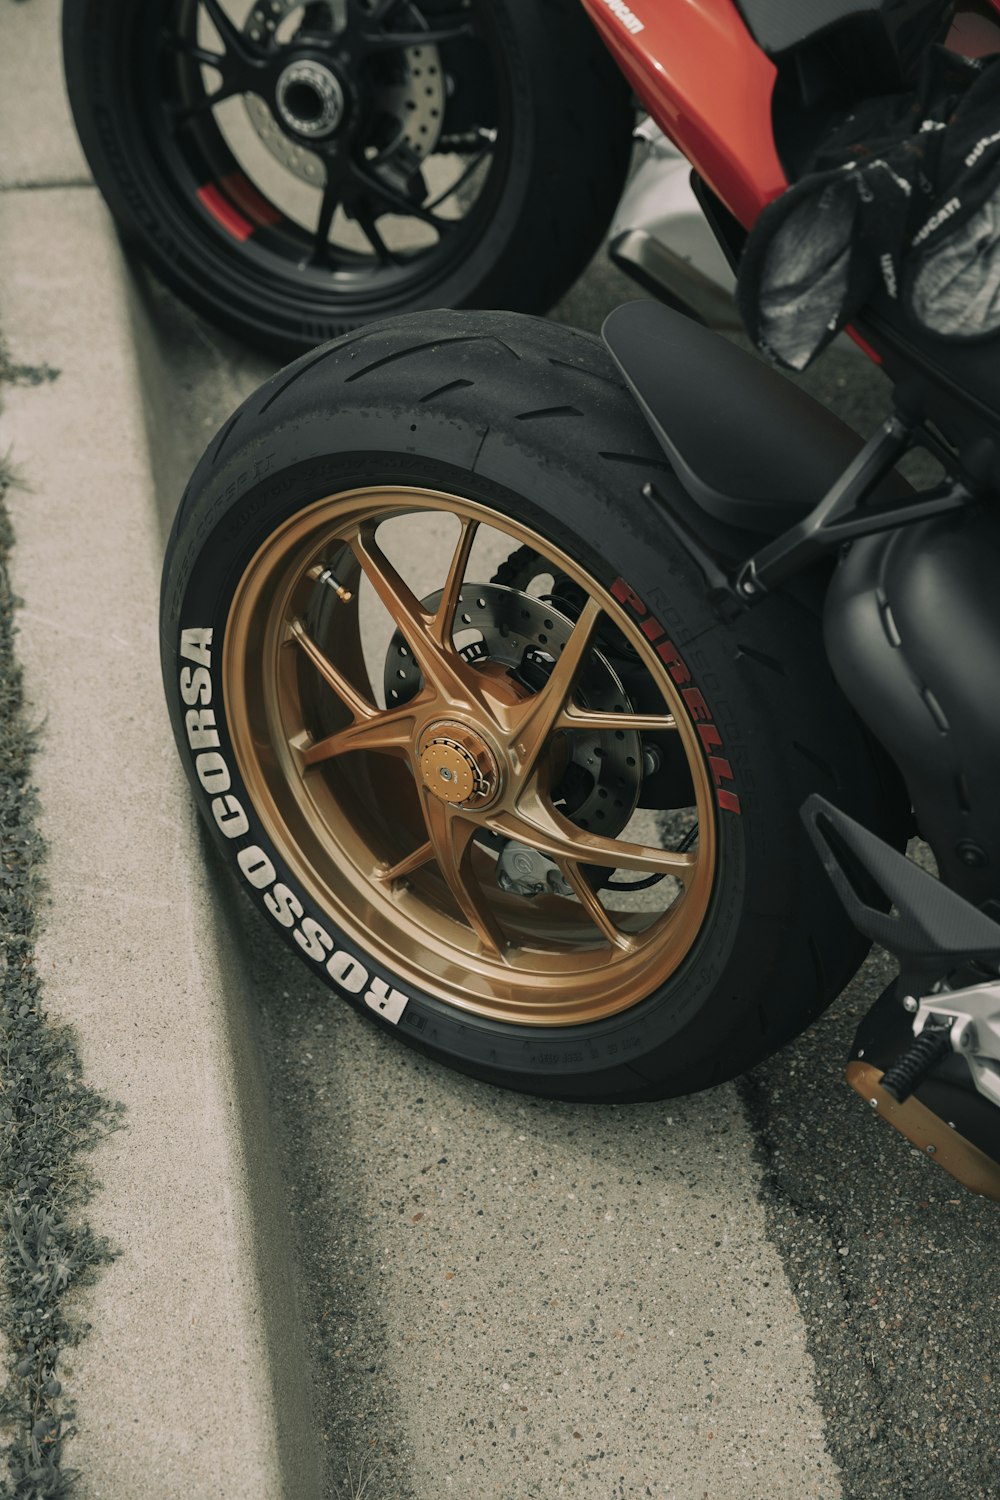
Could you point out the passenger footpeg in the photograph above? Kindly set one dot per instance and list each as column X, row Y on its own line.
column 933, row 1043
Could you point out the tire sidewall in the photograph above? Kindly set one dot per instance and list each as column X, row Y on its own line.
column 256, row 492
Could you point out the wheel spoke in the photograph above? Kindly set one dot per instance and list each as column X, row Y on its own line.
column 360, row 708
column 390, row 732
column 462, row 179
column 396, row 202
column 181, row 113
column 415, row 861
column 190, row 48
column 544, row 713
column 443, row 623
column 229, row 33
column 451, row 837
column 571, row 717
column 327, row 209
column 367, row 223
column 442, row 667
column 537, row 823
column 597, row 913
column 239, row 63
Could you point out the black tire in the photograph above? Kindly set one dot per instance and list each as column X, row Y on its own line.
column 531, row 422
column 228, row 225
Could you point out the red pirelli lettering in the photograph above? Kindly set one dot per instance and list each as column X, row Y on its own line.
column 695, row 703
column 678, row 668
column 699, row 709
column 720, row 768
column 625, row 595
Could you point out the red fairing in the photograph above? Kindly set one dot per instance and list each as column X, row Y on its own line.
column 707, row 85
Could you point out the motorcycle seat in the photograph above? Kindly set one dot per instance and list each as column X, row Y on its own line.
column 751, row 449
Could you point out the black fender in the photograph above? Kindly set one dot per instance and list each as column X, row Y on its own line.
column 751, row 449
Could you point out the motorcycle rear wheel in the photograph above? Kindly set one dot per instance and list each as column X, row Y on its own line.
column 295, row 168
column 446, row 688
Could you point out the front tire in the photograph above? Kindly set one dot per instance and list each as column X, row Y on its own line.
column 445, row 688
column 297, row 168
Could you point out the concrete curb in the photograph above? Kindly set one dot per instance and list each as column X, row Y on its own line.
column 193, row 1380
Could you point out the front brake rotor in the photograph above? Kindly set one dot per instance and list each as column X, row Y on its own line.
column 412, row 93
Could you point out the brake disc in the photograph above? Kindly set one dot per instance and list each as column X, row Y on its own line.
column 598, row 786
column 414, row 95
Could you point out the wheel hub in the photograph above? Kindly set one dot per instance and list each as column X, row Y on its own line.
column 412, row 93
column 599, row 771
column 457, row 766
column 310, row 99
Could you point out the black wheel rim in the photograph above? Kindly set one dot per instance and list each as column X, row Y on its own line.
column 350, row 155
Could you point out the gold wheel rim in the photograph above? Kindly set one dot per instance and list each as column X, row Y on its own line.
column 390, row 815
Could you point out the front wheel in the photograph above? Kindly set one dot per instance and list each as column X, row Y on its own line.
column 298, row 167
column 458, row 713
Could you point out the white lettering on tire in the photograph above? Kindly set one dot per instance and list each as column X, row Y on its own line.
column 256, row 866
column 213, row 773
column 196, row 685
column 387, row 1002
column 230, row 817
column 201, row 731
column 196, row 646
column 283, row 904
column 280, row 901
column 344, row 969
column 314, row 940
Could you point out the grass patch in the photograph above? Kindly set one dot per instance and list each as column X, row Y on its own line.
column 48, row 1119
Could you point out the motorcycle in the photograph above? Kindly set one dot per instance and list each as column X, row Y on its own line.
column 536, row 686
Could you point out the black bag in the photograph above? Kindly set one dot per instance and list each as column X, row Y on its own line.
column 903, row 195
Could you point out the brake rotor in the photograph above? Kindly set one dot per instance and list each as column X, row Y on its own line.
column 414, row 96
column 600, row 777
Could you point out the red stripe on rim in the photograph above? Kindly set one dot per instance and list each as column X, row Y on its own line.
column 223, row 211
column 243, row 193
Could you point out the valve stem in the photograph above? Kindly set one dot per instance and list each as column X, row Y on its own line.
column 327, row 576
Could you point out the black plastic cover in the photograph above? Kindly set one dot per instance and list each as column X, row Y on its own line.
column 908, row 25
column 751, row 448
column 929, row 927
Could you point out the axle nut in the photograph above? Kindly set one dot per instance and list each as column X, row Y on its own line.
column 457, row 766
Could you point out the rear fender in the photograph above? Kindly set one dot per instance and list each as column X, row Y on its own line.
column 751, row 449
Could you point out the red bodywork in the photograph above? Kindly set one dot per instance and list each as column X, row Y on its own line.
column 708, row 86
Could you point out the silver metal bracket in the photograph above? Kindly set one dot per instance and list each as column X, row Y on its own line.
column 974, row 1014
